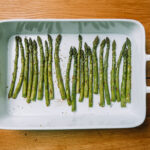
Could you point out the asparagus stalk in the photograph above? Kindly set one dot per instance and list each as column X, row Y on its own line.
column 82, row 77
column 35, row 72
column 46, row 75
column 117, row 72
column 124, row 77
column 78, row 63
column 86, row 71
column 113, row 72
column 74, row 80
column 128, row 86
column 68, row 77
column 14, row 75
column 90, row 79
column 26, row 68
column 50, row 69
column 95, row 65
column 58, row 69
column 101, row 74
column 106, row 88
column 41, row 76
column 19, row 84
column 31, row 71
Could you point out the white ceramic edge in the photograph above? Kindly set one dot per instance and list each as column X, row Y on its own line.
column 73, row 19
column 147, row 58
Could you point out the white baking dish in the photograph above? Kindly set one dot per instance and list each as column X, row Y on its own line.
column 17, row 114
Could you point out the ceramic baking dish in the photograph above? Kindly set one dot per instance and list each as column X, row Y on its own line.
column 17, row 114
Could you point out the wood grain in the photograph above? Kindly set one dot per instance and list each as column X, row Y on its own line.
column 128, row 139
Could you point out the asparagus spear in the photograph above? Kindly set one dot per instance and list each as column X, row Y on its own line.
column 101, row 74
column 124, row 77
column 41, row 78
column 78, row 63
column 19, row 84
column 31, row 71
column 113, row 72
column 58, row 70
column 117, row 72
column 82, row 77
column 95, row 65
column 14, row 75
column 86, row 71
column 35, row 72
column 106, row 88
column 128, row 86
column 90, row 78
column 74, row 80
column 68, row 77
column 50, row 72
column 46, row 75
column 26, row 68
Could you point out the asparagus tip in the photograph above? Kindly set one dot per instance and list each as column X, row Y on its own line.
column 128, row 41
column 34, row 44
column 25, row 40
column 39, row 39
column 80, row 37
column 46, row 44
column 58, row 38
column 30, row 41
column 114, row 44
column 107, row 40
column 49, row 36
column 19, row 38
column 75, row 51
column 87, row 48
column 96, row 41
column 85, row 45
column 103, row 43
column 71, row 51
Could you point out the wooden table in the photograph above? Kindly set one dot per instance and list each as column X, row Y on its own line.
column 128, row 139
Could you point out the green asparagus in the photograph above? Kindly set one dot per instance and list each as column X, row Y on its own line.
column 117, row 72
column 19, row 84
column 95, row 65
column 58, row 69
column 74, row 80
column 82, row 77
column 35, row 72
column 26, row 68
column 14, row 75
column 41, row 76
column 31, row 71
column 113, row 72
column 124, row 78
column 50, row 70
column 86, row 71
column 68, row 76
column 46, row 75
column 78, row 63
column 128, row 86
column 106, row 88
column 101, row 74
column 90, row 78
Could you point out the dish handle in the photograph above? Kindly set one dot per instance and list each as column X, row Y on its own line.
column 147, row 87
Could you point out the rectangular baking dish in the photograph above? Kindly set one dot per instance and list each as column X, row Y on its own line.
column 17, row 114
